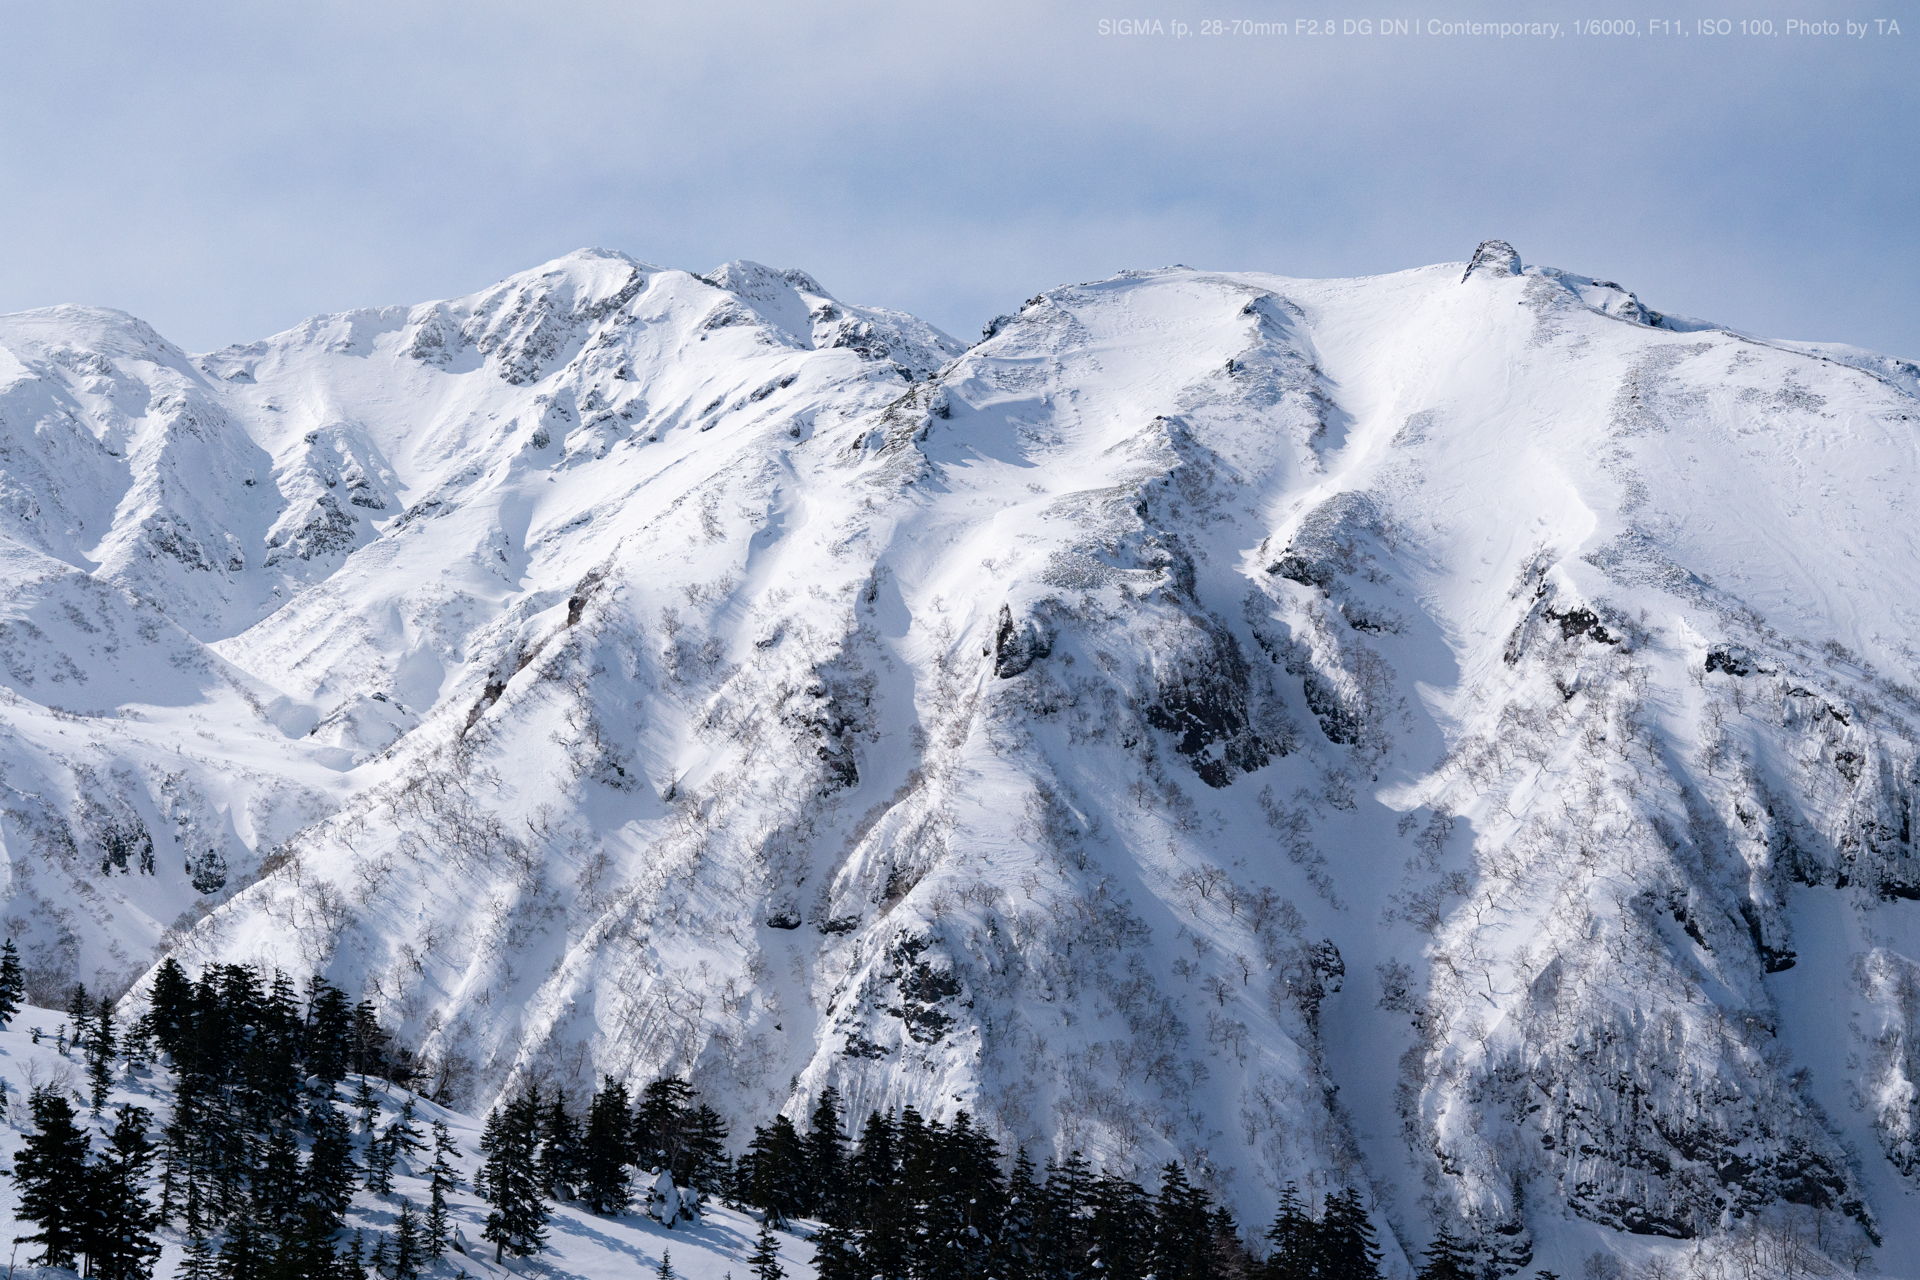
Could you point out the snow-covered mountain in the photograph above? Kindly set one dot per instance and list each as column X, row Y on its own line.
column 1451, row 733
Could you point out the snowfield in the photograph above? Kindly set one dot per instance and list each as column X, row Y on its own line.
column 1450, row 733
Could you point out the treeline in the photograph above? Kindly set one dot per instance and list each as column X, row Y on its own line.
column 263, row 1154
column 910, row 1199
column 256, row 1151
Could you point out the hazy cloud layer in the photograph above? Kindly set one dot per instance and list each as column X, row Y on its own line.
column 226, row 170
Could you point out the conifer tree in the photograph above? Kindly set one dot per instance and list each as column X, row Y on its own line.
column 198, row 1264
column 120, row 1221
column 328, row 1181
column 1182, row 1235
column 603, row 1154
column 51, row 1175
column 403, row 1135
column 1447, row 1258
column 560, row 1149
column 1347, row 1247
column 703, row 1158
column 79, row 1012
column 765, row 1258
column 13, row 983
column 244, row 1256
column 660, row 1122
column 1020, row 1229
column 379, row 1165
column 509, row 1179
column 1293, row 1237
column 442, row 1178
column 329, row 1031
column 834, row 1255
column 409, row 1247
column 775, row 1170
column 826, row 1155
column 100, row 1054
column 665, row 1270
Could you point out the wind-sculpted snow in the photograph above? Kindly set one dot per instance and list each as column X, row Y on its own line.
column 1448, row 733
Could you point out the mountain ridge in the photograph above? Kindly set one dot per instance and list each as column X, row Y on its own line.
column 1217, row 716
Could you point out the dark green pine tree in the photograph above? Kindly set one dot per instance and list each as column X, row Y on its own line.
column 1182, row 1231
column 1347, row 1247
column 404, row 1138
column 665, row 1270
column 51, row 1176
column 170, row 1007
column 510, row 1180
column 306, row 1249
column 80, row 1013
column 198, row 1264
column 603, row 1151
column 276, row 1179
column 1293, row 1239
column 1447, row 1258
column 826, row 1152
column 560, row 1145
column 1065, row 1243
column 1122, row 1222
column 765, row 1258
column 441, row 1179
column 703, row 1154
column 379, row 1165
column 775, row 1166
column 329, row 1175
column 409, row 1245
column 660, row 1122
column 873, row 1175
column 245, row 1255
column 13, row 983
column 101, row 1047
column 835, row 1256
column 1018, row 1239
column 120, row 1220
column 329, row 1032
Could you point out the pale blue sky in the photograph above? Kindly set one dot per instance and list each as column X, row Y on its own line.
column 226, row 170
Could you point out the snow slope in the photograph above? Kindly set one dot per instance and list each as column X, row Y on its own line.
column 1449, row 731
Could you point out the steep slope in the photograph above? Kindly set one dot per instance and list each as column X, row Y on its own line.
column 1447, row 732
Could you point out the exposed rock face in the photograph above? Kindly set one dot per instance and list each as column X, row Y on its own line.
column 1443, row 739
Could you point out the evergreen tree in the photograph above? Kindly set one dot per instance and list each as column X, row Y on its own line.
column 834, row 1255
column 409, row 1247
column 120, row 1221
column 703, row 1155
column 13, row 983
column 1347, row 1247
column 330, row 1169
column 510, row 1179
column 603, row 1151
column 403, row 1135
column 244, row 1256
column 198, row 1263
column 276, row 1179
column 329, row 1032
column 826, row 1154
column 560, row 1152
column 1122, row 1222
column 774, row 1170
column 873, row 1175
column 1019, row 1243
column 665, row 1270
column 100, row 1053
column 660, row 1123
column 1182, row 1232
column 170, row 1006
column 367, row 1104
column 79, row 1013
column 1447, row 1258
column 1294, row 1237
column 379, row 1166
column 765, row 1258
column 52, row 1177
column 442, row 1178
